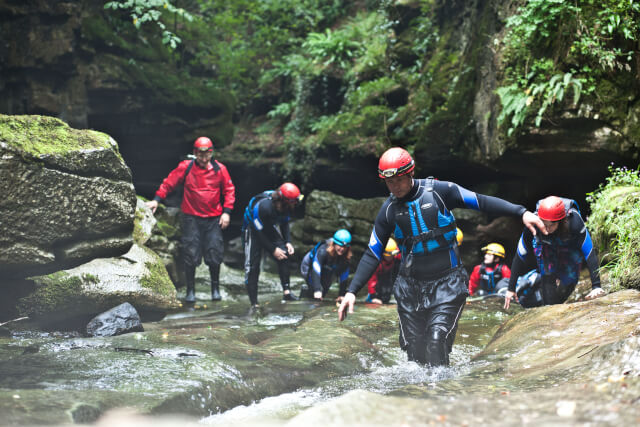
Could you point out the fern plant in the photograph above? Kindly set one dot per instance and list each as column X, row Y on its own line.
column 516, row 102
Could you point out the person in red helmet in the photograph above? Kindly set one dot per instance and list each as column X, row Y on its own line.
column 558, row 256
column 207, row 202
column 266, row 227
column 431, row 286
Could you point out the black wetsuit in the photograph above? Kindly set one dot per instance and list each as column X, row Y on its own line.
column 264, row 228
column 319, row 269
column 558, row 258
column 432, row 290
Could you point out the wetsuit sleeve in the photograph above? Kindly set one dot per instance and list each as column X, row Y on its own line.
column 264, row 223
column 474, row 279
column 382, row 230
column 286, row 233
column 524, row 252
column 228, row 190
column 456, row 196
column 577, row 226
column 342, row 280
column 317, row 263
column 171, row 181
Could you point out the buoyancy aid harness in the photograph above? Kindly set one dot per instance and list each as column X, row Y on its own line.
column 490, row 278
column 424, row 240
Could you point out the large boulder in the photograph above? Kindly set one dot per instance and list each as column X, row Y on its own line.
column 71, row 297
column 66, row 196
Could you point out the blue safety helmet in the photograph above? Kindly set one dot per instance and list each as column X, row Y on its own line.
column 342, row 237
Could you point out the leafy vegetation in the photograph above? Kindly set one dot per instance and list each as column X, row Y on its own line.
column 152, row 11
column 553, row 45
column 615, row 226
column 317, row 78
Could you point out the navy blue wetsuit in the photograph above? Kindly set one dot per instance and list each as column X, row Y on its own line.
column 431, row 288
column 264, row 228
column 319, row 269
column 558, row 258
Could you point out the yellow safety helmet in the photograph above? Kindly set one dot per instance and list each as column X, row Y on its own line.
column 494, row 249
column 459, row 236
column 392, row 247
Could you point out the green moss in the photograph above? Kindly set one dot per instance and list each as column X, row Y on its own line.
column 138, row 235
column 53, row 292
column 166, row 229
column 615, row 226
column 39, row 135
column 90, row 278
column 158, row 279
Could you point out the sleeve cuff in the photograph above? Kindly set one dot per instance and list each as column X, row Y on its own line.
column 157, row 199
column 226, row 210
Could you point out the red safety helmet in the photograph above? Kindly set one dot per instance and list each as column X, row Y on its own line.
column 395, row 161
column 551, row 209
column 203, row 144
column 291, row 192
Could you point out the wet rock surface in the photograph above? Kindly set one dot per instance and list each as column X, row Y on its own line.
column 117, row 321
column 294, row 363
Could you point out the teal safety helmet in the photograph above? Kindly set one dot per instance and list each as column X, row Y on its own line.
column 342, row 237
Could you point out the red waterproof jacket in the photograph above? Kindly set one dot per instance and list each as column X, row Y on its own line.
column 203, row 188
column 383, row 269
column 475, row 280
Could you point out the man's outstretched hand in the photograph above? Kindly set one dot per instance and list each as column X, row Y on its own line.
column 346, row 306
column 508, row 297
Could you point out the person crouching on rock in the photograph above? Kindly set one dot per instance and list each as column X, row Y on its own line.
column 328, row 259
column 558, row 256
column 380, row 284
column 492, row 276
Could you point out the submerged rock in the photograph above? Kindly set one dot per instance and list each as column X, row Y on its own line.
column 117, row 321
column 66, row 196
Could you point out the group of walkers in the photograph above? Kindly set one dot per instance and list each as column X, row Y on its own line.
column 413, row 251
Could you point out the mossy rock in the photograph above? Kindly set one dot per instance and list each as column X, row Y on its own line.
column 139, row 277
column 67, row 196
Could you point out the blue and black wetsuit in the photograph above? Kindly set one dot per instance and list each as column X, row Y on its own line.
column 431, row 288
column 319, row 269
column 558, row 258
column 263, row 228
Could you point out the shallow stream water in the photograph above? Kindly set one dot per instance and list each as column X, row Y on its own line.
column 220, row 364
